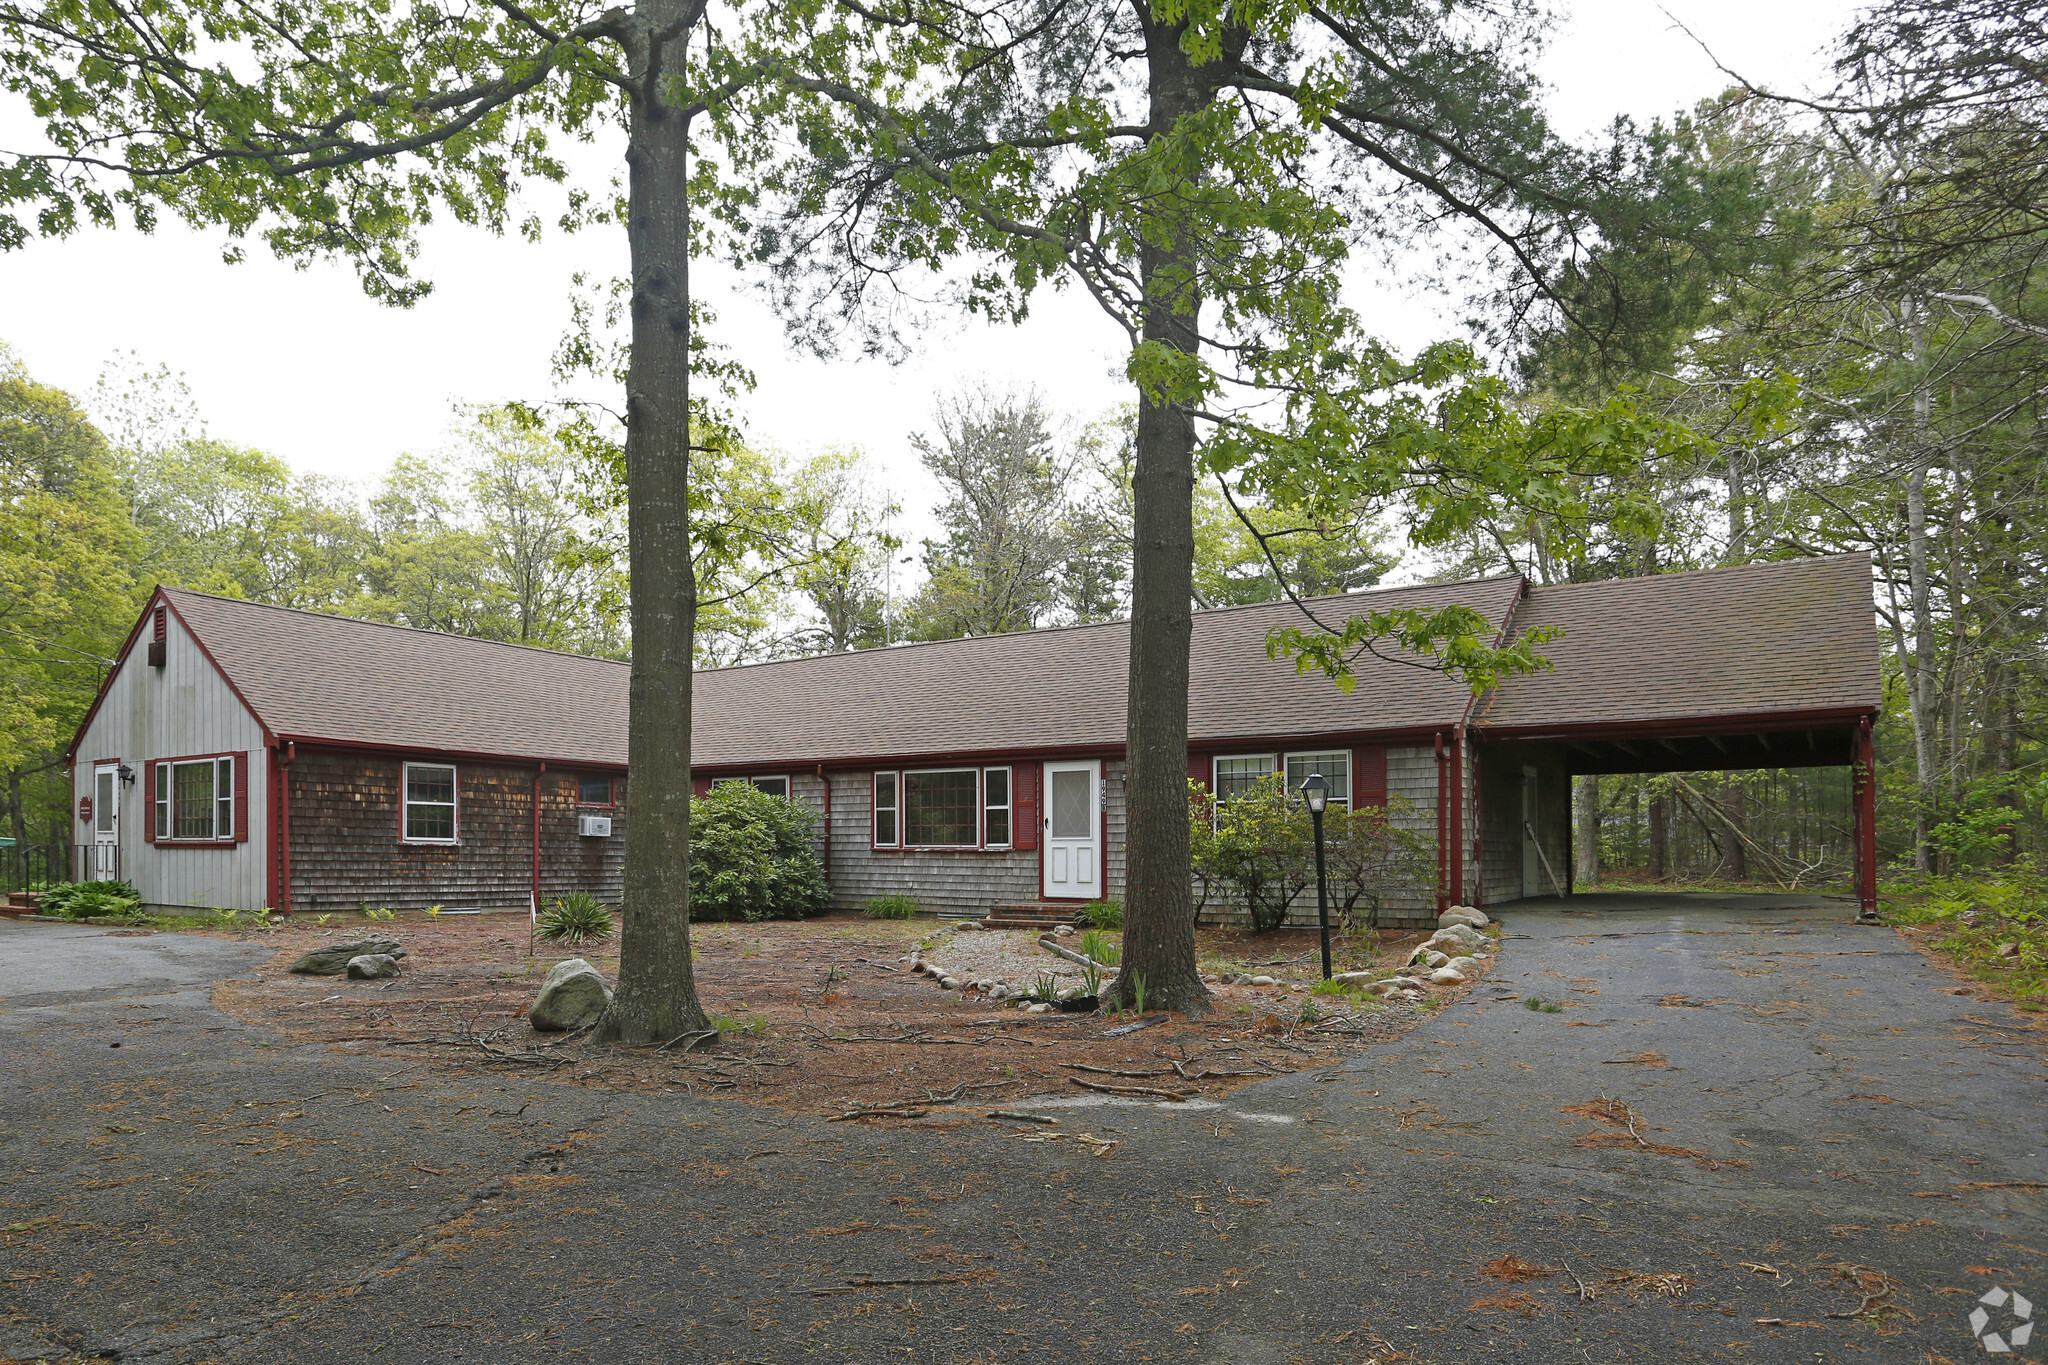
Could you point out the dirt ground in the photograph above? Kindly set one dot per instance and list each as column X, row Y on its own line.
column 823, row 1016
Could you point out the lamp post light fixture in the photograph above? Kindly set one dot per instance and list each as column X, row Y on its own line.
column 1315, row 793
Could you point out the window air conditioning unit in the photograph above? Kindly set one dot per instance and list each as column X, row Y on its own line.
column 594, row 826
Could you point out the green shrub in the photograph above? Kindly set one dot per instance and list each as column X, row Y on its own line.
column 1103, row 914
column 576, row 918
column 891, row 907
column 91, row 900
column 751, row 857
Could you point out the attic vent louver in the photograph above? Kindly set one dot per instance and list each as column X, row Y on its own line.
column 158, row 651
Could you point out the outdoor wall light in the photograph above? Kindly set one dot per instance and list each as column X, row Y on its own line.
column 127, row 775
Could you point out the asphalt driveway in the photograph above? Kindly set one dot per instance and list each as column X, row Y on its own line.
column 1745, row 1121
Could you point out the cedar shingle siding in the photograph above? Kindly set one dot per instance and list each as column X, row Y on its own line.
column 346, row 853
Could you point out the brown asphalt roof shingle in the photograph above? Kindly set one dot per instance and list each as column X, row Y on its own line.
column 1795, row 636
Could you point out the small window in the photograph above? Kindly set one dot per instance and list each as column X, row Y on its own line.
column 885, row 810
column 1335, row 766
column 1237, row 776
column 995, row 808
column 429, row 803
column 774, row 786
column 195, row 800
column 594, row 791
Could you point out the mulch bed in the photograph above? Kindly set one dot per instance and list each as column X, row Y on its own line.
column 820, row 1017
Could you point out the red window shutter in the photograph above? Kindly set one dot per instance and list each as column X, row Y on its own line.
column 700, row 786
column 149, row 803
column 1369, row 775
column 1198, row 769
column 242, row 797
column 1024, row 778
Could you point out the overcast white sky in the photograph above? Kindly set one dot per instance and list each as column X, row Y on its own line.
column 302, row 364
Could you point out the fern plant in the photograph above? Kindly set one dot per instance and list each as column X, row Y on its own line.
column 578, row 917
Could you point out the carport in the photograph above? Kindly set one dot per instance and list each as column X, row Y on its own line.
column 1756, row 666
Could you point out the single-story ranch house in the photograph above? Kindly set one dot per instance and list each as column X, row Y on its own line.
column 243, row 756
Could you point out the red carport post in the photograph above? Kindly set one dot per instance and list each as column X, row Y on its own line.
column 1866, row 818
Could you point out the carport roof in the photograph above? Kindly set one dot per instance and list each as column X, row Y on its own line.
column 1790, row 640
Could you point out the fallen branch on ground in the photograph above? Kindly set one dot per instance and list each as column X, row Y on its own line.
column 1133, row 1090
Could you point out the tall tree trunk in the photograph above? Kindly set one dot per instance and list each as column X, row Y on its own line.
column 657, row 996
column 1920, row 681
column 1586, row 830
column 1737, row 811
column 1660, row 837
column 1159, row 921
column 1738, row 510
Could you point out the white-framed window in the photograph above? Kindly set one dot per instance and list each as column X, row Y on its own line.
column 430, row 803
column 1333, row 764
column 945, row 808
column 195, row 800
column 774, row 786
column 1236, row 777
column 995, row 808
column 886, row 811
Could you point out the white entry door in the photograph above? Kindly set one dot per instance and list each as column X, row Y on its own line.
column 1532, row 854
column 106, row 803
column 1073, row 831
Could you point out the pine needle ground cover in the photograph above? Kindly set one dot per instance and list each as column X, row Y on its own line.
column 823, row 1016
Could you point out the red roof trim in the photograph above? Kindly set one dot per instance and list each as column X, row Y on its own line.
column 413, row 751
column 1738, row 724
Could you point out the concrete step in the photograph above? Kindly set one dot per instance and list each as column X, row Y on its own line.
column 1038, row 915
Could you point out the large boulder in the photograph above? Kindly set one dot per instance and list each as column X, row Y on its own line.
column 1459, row 937
column 572, row 996
column 332, row 960
column 1463, row 914
column 1447, row 976
column 372, row 967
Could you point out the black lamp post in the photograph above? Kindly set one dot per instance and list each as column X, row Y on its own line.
column 1315, row 791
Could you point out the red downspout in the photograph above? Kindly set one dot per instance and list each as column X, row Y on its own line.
column 536, row 835
column 1458, row 815
column 1442, row 834
column 1866, row 818
column 284, row 824
column 827, row 821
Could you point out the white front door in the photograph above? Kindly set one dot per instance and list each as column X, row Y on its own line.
column 1073, row 831
column 106, row 803
column 1532, row 854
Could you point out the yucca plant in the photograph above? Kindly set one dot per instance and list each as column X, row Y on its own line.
column 1097, row 945
column 575, row 918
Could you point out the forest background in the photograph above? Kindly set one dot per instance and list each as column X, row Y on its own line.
column 1872, row 381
